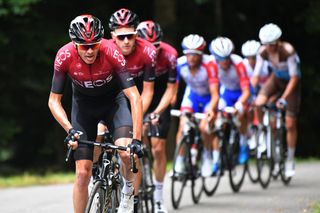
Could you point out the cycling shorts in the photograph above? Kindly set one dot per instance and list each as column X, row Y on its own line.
column 86, row 113
column 164, row 123
column 228, row 97
column 193, row 102
column 276, row 86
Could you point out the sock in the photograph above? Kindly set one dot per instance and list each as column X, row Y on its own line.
column 243, row 140
column 179, row 158
column 128, row 187
column 157, row 195
column 290, row 154
column 205, row 154
column 216, row 155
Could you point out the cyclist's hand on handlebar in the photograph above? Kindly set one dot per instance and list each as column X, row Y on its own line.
column 211, row 115
column 137, row 148
column 154, row 118
column 72, row 137
column 281, row 103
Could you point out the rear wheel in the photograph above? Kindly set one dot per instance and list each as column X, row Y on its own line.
column 178, row 179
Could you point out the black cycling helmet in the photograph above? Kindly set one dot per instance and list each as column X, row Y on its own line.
column 86, row 29
column 150, row 31
column 123, row 18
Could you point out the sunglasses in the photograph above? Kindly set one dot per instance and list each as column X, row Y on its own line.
column 86, row 47
column 122, row 37
column 156, row 44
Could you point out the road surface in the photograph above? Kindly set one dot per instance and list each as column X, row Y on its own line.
column 299, row 196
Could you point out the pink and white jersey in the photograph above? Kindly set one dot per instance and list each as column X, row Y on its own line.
column 236, row 77
column 198, row 83
column 263, row 75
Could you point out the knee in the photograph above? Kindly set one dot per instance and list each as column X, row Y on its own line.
column 125, row 157
column 83, row 177
column 158, row 152
column 290, row 126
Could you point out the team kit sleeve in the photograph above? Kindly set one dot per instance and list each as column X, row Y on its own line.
column 61, row 64
column 172, row 77
column 149, row 54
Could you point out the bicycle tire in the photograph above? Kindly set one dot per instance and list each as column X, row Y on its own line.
column 97, row 199
column 178, row 180
column 196, row 181
column 253, row 171
column 210, row 184
column 281, row 134
column 147, row 186
column 264, row 160
column 236, row 171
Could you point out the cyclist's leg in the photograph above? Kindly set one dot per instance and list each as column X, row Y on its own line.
column 159, row 154
column 291, row 124
column 82, row 155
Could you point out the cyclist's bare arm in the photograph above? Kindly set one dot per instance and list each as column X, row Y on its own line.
column 245, row 95
column 134, row 97
column 147, row 94
column 292, row 84
column 58, row 112
column 214, row 91
column 166, row 98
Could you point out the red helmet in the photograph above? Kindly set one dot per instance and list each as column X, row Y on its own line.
column 150, row 31
column 123, row 18
column 86, row 29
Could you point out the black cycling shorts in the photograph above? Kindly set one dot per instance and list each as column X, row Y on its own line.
column 86, row 113
column 163, row 125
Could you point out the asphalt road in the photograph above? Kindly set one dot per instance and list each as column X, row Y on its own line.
column 299, row 196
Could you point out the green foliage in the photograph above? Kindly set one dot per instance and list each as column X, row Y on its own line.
column 15, row 7
column 313, row 17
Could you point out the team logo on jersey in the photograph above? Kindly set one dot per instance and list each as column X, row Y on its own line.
column 61, row 57
column 93, row 84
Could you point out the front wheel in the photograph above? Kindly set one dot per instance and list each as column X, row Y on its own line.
column 96, row 202
column 179, row 178
column 281, row 136
column 237, row 170
column 197, row 183
column 147, row 186
column 265, row 162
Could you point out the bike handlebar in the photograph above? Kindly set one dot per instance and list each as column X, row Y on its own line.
column 197, row 115
column 108, row 146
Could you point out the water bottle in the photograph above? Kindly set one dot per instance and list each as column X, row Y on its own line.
column 194, row 153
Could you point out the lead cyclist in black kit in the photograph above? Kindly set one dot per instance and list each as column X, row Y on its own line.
column 100, row 83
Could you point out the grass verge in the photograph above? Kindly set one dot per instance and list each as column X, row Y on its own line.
column 28, row 179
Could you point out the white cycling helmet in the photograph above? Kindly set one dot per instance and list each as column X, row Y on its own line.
column 193, row 43
column 250, row 48
column 269, row 33
column 221, row 47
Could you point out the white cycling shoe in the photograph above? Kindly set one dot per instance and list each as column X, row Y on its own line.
column 289, row 168
column 160, row 208
column 206, row 168
column 126, row 204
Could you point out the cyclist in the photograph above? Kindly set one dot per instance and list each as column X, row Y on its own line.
column 250, row 50
column 164, row 91
column 234, row 85
column 201, row 94
column 285, row 80
column 140, row 56
column 100, row 82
